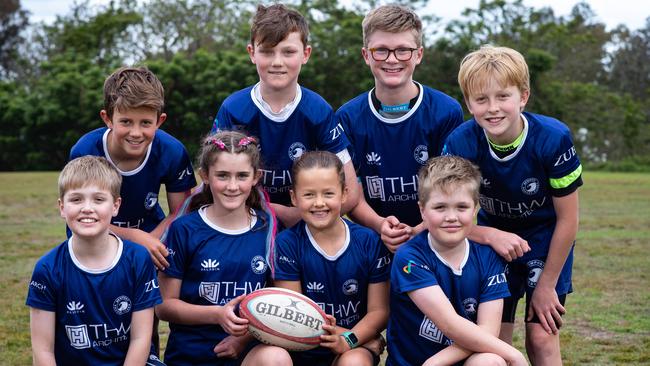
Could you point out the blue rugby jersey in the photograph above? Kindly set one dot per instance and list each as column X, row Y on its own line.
column 167, row 162
column 215, row 265
column 412, row 337
column 388, row 153
column 338, row 283
column 516, row 191
column 93, row 308
column 310, row 126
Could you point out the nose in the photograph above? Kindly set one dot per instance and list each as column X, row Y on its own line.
column 277, row 59
column 319, row 201
column 493, row 105
column 392, row 58
column 232, row 185
column 86, row 206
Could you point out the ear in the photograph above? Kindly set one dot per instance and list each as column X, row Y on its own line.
column 366, row 55
column 104, row 115
column 251, row 52
column 524, row 99
column 204, row 176
column 344, row 195
column 256, row 177
column 418, row 55
column 305, row 54
column 161, row 119
column 294, row 201
column 116, row 206
column 60, row 202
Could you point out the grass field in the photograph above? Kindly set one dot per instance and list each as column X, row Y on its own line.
column 608, row 320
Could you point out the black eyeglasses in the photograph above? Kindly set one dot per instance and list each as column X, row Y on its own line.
column 401, row 54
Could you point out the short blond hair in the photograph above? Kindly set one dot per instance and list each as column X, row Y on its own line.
column 392, row 19
column 504, row 64
column 86, row 170
column 133, row 87
column 446, row 174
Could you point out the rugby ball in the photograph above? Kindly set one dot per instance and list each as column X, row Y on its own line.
column 283, row 318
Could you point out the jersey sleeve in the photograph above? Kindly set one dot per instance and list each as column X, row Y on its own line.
column 410, row 272
column 494, row 285
column 288, row 257
column 380, row 270
column 223, row 121
column 453, row 120
column 42, row 291
column 563, row 165
column 180, row 177
column 147, row 292
column 177, row 242
column 331, row 136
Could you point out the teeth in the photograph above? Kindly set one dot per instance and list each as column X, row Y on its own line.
column 87, row 220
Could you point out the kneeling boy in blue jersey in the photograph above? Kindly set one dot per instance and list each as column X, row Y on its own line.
column 92, row 297
column 446, row 291
column 531, row 174
column 145, row 156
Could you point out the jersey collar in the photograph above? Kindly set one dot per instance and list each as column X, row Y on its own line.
column 457, row 272
column 402, row 118
column 320, row 250
column 265, row 108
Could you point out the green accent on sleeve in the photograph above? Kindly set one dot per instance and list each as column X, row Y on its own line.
column 559, row 183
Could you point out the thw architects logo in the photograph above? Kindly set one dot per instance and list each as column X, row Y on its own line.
column 210, row 265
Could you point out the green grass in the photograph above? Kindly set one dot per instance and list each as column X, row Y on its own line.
column 608, row 319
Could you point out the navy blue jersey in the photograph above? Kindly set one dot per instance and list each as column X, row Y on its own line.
column 388, row 153
column 311, row 126
column 215, row 266
column 167, row 162
column 517, row 191
column 412, row 337
column 339, row 283
column 93, row 308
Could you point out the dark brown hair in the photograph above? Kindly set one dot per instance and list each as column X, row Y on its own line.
column 133, row 87
column 318, row 159
column 273, row 23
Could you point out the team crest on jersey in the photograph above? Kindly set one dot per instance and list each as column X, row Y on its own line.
column 122, row 305
column 535, row 268
column 296, row 150
column 373, row 158
column 78, row 336
column 421, row 154
column 151, row 200
column 471, row 305
column 350, row 287
column 530, row 186
column 258, row 264
column 209, row 291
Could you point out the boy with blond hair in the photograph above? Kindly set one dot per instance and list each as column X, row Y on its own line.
column 395, row 127
column 287, row 118
column 91, row 298
column 531, row 174
column 145, row 156
column 447, row 291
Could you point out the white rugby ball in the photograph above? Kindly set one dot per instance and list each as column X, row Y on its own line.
column 283, row 318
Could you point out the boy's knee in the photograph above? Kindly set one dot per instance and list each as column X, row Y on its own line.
column 485, row 359
column 540, row 341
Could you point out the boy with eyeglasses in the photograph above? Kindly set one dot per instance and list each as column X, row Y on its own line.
column 395, row 127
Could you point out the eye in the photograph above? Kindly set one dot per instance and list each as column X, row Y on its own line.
column 243, row 176
column 125, row 122
column 147, row 123
column 289, row 52
column 504, row 96
column 481, row 99
column 222, row 176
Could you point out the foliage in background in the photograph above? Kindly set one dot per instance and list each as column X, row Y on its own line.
column 596, row 81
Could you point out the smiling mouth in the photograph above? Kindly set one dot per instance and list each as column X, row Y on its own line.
column 87, row 220
column 392, row 70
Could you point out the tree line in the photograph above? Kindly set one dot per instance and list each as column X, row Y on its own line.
column 51, row 75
